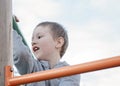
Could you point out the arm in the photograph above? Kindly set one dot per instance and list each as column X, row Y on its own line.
column 23, row 59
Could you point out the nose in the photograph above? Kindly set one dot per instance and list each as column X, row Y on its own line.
column 33, row 43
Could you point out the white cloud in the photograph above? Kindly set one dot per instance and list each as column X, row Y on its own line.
column 41, row 8
column 108, row 8
column 108, row 77
column 91, row 41
column 101, row 4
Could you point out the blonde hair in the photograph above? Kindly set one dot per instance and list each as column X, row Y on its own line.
column 57, row 31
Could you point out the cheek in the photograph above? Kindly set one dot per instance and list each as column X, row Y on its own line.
column 48, row 46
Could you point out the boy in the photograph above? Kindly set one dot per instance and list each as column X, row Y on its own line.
column 49, row 43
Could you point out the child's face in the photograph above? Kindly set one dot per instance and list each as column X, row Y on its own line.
column 43, row 44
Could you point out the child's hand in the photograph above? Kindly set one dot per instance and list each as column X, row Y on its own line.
column 16, row 19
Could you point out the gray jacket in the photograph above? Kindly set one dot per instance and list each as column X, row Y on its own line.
column 25, row 63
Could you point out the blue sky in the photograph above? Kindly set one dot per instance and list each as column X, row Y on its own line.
column 93, row 27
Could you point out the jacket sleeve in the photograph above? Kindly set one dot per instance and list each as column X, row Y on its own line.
column 73, row 80
column 22, row 56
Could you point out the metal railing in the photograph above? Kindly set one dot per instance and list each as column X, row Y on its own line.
column 60, row 72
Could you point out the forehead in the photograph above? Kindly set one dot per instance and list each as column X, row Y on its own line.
column 41, row 30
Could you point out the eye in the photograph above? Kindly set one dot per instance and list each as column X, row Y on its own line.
column 39, row 37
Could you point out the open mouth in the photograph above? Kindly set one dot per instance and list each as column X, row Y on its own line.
column 35, row 48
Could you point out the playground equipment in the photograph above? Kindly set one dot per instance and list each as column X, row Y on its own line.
column 5, row 37
column 60, row 72
column 6, row 57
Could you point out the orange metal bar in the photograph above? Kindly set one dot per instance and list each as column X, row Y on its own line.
column 66, row 71
column 8, row 75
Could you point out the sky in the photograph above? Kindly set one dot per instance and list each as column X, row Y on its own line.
column 93, row 28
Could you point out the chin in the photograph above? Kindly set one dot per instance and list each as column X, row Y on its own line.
column 39, row 58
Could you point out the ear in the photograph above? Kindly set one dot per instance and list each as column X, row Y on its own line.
column 59, row 42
